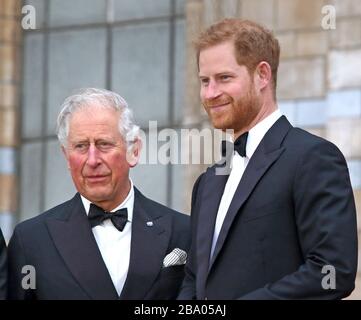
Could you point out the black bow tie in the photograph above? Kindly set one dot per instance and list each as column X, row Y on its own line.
column 239, row 145
column 97, row 215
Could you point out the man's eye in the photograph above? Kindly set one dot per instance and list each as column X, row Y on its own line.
column 81, row 146
column 225, row 77
column 204, row 82
column 104, row 145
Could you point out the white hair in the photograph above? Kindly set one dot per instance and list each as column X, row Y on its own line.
column 90, row 97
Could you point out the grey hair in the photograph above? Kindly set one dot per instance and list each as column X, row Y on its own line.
column 86, row 98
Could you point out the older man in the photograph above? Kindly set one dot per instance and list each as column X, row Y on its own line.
column 282, row 223
column 109, row 241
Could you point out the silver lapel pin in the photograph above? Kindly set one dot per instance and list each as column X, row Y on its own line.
column 150, row 223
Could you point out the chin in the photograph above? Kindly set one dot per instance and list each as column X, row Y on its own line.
column 97, row 195
column 219, row 124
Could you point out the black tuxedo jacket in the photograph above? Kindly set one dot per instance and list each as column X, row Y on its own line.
column 60, row 245
column 3, row 268
column 293, row 214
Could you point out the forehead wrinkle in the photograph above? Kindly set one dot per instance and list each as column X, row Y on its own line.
column 85, row 129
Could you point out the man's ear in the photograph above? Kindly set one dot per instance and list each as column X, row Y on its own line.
column 263, row 75
column 133, row 154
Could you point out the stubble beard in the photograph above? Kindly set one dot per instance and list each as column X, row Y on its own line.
column 239, row 118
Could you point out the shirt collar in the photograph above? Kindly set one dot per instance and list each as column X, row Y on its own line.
column 256, row 134
column 127, row 203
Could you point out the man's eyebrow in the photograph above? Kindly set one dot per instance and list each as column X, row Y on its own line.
column 217, row 74
column 79, row 140
column 105, row 138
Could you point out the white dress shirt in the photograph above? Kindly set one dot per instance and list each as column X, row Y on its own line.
column 238, row 166
column 113, row 244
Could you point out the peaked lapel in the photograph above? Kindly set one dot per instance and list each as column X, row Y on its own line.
column 74, row 239
column 209, row 203
column 148, row 247
column 268, row 151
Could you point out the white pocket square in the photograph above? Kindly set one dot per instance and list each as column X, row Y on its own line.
column 175, row 258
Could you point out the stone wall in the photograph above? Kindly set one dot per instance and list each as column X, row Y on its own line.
column 10, row 58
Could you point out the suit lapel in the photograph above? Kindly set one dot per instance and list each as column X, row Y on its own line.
column 268, row 151
column 148, row 248
column 210, row 199
column 76, row 244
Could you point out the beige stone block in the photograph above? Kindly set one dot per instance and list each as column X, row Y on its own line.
column 8, row 127
column 10, row 7
column 301, row 78
column 8, row 95
column 317, row 131
column 8, row 193
column 261, row 11
column 346, row 34
column 230, row 8
column 311, row 43
column 10, row 30
column 194, row 12
column 9, row 64
column 346, row 7
column 344, row 69
column 296, row 14
column 212, row 11
column 346, row 134
column 287, row 41
column 2, row 26
column 194, row 24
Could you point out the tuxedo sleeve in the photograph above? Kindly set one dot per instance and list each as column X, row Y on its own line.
column 325, row 216
column 16, row 262
column 3, row 268
column 188, row 289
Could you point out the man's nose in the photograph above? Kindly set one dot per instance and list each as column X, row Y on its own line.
column 212, row 90
column 93, row 156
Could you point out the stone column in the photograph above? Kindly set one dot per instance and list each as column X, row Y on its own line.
column 193, row 116
column 199, row 15
column 10, row 58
